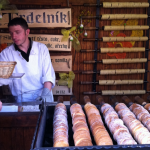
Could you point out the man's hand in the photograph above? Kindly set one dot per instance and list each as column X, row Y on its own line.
column 47, row 95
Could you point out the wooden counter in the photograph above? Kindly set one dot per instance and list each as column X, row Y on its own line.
column 17, row 129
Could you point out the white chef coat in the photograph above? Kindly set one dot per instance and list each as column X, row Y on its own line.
column 38, row 70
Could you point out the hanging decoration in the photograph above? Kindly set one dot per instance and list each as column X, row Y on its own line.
column 66, row 79
column 135, row 33
column 81, row 23
column 75, row 41
column 85, row 33
column 71, row 38
column 78, row 30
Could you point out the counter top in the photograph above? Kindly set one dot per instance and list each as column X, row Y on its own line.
column 32, row 106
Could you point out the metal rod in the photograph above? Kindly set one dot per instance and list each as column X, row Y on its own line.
column 135, row 71
column 91, row 62
column 93, row 28
column 89, row 72
column 120, row 4
column 117, row 61
column 113, row 16
column 116, row 39
column 110, row 28
column 117, row 92
column 92, row 4
column 89, row 93
column 91, row 39
column 91, row 17
column 89, row 82
column 96, row 46
column 118, row 51
column 85, row 50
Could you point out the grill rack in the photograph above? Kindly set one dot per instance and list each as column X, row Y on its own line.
column 43, row 136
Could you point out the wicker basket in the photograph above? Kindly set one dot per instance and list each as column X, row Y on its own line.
column 7, row 68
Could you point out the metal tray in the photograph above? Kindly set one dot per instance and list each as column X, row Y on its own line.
column 43, row 136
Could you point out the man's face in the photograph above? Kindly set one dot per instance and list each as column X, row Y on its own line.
column 18, row 34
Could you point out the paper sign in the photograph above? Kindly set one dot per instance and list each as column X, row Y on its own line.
column 62, row 63
column 61, row 90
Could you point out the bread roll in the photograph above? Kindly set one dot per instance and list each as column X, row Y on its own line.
column 119, row 131
column 99, row 132
column 60, row 126
column 141, row 113
column 147, row 107
column 139, row 132
column 81, row 134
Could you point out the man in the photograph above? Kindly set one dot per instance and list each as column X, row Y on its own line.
column 32, row 58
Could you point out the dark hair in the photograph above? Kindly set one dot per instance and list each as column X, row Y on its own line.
column 18, row 21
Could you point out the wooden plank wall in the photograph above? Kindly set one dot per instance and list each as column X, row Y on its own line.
column 77, row 7
column 17, row 130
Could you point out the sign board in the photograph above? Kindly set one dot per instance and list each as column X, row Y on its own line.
column 62, row 63
column 39, row 17
column 61, row 90
column 53, row 42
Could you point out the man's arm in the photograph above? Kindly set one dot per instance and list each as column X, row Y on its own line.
column 47, row 92
column 48, row 73
column 48, row 85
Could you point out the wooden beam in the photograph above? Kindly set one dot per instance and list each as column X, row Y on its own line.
column 62, row 2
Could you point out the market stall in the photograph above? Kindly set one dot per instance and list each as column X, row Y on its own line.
column 96, row 47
